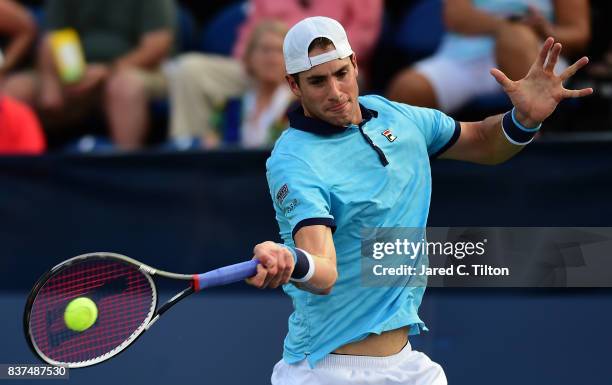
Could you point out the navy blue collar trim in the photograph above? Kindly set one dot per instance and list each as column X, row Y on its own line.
column 298, row 120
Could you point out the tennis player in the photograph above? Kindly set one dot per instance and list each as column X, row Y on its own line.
column 347, row 163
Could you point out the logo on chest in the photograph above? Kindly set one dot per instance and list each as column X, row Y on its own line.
column 389, row 135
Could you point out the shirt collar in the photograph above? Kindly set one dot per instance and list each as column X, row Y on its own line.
column 298, row 120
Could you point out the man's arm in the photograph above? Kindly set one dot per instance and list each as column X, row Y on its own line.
column 482, row 142
column 317, row 241
column 535, row 97
column 277, row 261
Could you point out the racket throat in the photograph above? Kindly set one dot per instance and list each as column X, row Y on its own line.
column 173, row 301
column 153, row 320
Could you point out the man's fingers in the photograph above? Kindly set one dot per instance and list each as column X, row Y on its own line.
column 277, row 262
column 259, row 278
column 281, row 265
column 571, row 70
column 270, row 263
column 553, row 58
column 577, row 93
column 544, row 52
column 501, row 78
column 289, row 268
column 284, row 273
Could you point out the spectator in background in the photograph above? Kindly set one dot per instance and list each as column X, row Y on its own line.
column 257, row 118
column 20, row 131
column 485, row 34
column 124, row 44
column 215, row 79
column 19, row 28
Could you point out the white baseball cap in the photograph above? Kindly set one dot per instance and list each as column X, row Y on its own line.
column 299, row 37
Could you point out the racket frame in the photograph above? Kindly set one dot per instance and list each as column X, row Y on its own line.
column 151, row 318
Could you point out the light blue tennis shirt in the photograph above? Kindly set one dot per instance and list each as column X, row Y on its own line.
column 375, row 174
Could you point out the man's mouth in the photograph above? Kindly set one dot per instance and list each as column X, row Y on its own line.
column 338, row 107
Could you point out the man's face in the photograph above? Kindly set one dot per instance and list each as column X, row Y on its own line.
column 329, row 91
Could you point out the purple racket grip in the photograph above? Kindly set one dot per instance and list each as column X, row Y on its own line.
column 226, row 275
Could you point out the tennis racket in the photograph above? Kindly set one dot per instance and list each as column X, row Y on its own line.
column 126, row 299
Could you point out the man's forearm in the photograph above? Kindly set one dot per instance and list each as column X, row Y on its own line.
column 323, row 279
column 485, row 143
column 503, row 149
column 506, row 135
column 318, row 243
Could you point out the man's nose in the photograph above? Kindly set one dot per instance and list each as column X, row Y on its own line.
column 334, row 90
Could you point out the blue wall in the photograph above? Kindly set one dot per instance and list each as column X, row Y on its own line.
column 193, row 212
column 501, row 337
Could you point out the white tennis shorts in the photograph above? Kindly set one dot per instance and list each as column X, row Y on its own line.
column 407, row 367
column 456, row 81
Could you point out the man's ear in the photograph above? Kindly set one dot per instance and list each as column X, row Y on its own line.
column 354, row 62
column 295, row 87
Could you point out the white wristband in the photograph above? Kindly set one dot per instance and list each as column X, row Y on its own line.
column 300, row 254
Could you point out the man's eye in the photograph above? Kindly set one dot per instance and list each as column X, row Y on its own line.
column 342, row 74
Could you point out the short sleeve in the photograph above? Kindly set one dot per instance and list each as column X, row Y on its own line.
column 440, row 130
column 299, row 196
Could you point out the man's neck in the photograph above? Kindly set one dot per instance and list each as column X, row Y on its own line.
column 357, row 117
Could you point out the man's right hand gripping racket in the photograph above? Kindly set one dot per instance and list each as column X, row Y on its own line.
column 91, row 307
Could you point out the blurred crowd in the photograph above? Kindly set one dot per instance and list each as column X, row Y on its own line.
column 86, row 75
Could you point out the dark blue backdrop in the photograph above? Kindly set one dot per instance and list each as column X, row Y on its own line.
column 192, row 212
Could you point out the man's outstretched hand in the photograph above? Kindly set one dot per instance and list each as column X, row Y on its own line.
column 536, row 96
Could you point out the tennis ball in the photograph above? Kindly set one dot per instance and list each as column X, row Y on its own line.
column 80, row 314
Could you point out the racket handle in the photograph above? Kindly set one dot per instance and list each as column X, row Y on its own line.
column 226, row 275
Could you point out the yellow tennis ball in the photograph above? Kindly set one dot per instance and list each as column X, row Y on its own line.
column 80, row 314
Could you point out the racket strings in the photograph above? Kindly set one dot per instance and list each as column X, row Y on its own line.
column 125, row 300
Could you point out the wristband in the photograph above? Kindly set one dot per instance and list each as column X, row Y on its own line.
column 304, row 266
column 515, row 132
